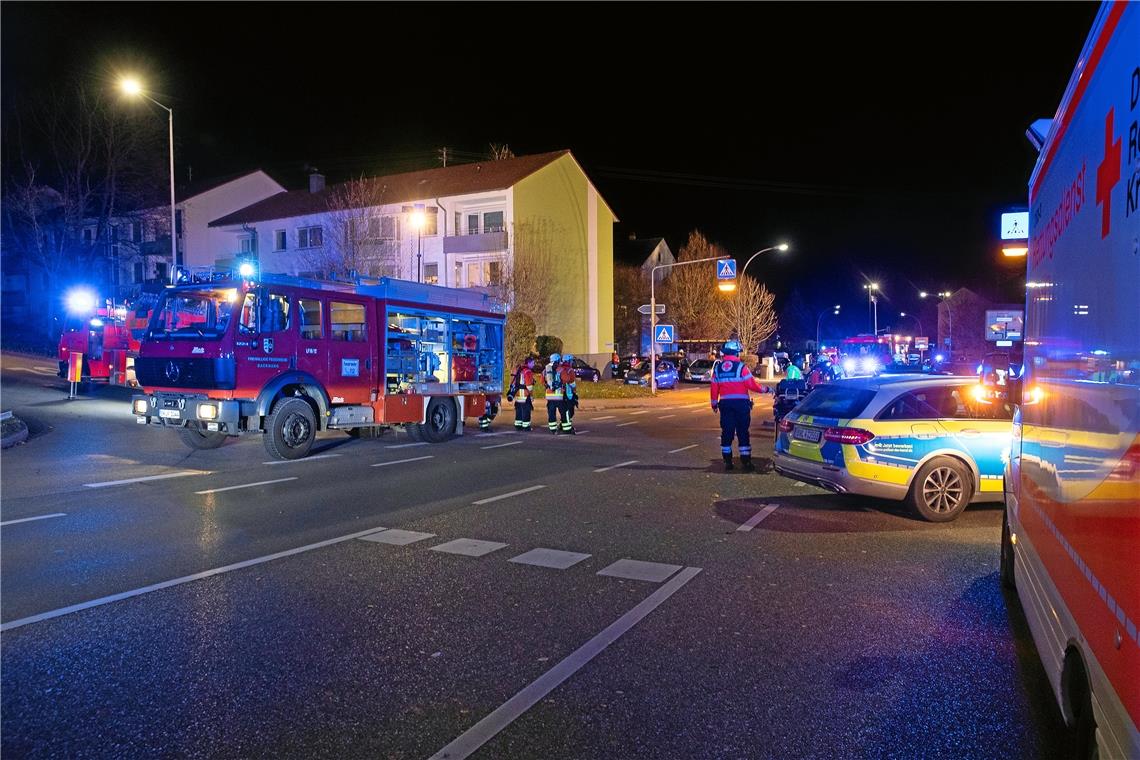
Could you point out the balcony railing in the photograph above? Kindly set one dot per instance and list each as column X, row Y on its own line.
column 483, row 242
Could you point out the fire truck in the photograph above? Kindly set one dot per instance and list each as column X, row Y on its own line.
column 286, row 357
column 107, row 336
column 1071, row 531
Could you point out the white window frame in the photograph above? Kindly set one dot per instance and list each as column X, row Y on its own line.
column 280, row 240
column 304, row 236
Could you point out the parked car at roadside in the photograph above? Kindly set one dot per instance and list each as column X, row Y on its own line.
column 667, row 375
column 584, row 371
column 699, row 371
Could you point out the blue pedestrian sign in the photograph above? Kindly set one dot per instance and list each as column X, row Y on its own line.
column 726, row 269
column 664, row 334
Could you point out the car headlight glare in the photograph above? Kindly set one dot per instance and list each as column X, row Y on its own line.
column 207, row 411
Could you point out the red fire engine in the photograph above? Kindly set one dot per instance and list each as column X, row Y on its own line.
column 107, row 336
column 288, row 357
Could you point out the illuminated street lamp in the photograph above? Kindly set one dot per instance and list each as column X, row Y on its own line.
column 835, row 311
column 904, row 315
column 782, row 247
column 873, row 304
column 419, row 219
column 132, row 87
column 943, row 295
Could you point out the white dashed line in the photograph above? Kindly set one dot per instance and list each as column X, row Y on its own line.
column 629, row 423
column 29, row 519
column 500, row 432
column 247, row 485
column 476, row 736
column 607, row 417
column 508, row 495
column 685, row 448
column 756, row 518
column 178, row 581
column 666, row 416
column 303, row 459
column 180, row 474
column 501, row 445
column 615, row 466
column 643, row 411
column 404, row 461
column 407, row 445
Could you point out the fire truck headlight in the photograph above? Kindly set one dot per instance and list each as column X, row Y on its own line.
column 140, row 406
column 208, row 411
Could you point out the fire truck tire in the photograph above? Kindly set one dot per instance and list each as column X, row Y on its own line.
column 440, row 424
column 196, row 438
column 415, row 433
column 290, row 429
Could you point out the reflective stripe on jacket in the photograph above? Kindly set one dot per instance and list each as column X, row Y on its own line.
column 552, row 382
column 525, row 384
column 731, row 379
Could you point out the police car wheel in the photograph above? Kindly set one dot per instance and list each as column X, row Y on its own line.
column 290, row 429
column 196, row 438
column 941, row 490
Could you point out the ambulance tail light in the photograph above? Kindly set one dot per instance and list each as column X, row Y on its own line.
column 785, row 425
column 1128, row 468
column 851, row 436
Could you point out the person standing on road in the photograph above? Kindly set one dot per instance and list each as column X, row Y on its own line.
column 522, row 394
column 731, row 382
column 569, row 393
column 552, row 379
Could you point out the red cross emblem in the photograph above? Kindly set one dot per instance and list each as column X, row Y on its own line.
column 1107, row 175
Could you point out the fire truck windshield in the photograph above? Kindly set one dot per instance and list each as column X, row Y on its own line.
column 203, row 313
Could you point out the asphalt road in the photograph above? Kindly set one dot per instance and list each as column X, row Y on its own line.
column 613, row 594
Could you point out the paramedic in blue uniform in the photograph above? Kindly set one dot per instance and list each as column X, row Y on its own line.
column 731, row 382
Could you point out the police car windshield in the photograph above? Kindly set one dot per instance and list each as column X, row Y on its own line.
column 200, row 314
column 836, row 401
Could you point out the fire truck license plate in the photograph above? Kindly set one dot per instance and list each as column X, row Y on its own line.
column 806, row 434
column 169, row 414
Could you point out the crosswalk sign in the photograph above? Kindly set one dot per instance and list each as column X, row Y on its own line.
column 726, row 269
column 664, row 334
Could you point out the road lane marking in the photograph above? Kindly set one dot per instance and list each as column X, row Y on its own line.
column 629, row 423
column 501, row 445
column 468, row 547
column 313, row 458
column 799, row 484
column 397, row 537
column 476, row 736
column 666, row 416
column 501, row 432
column 407, row 445
column 756, row 518
column 690, row 406
column 508, row 495
column 29, row 519
column 607, row 417
column 42, row 373
column 685, row 448
column 643, row 411
column 179, row 581
column 403, row 461
column 636, row 570
column 180, row 474
column 552, row 558
column 615, row 466
column 247, row 485
column 698, row 411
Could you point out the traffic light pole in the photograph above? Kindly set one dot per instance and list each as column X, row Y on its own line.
column 653, row 316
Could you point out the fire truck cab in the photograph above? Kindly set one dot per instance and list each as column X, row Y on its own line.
column 288, row 357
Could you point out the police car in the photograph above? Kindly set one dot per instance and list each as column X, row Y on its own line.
column 937, row 442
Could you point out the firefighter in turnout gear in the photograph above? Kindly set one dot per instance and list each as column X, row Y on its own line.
column 521, row 393
column 569, row 393
column 731, row 382
column 552, row 379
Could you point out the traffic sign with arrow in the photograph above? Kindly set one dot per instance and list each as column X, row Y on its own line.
column 644, row 308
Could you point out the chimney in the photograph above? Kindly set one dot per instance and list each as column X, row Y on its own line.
column 316, row 182
column 632, row 235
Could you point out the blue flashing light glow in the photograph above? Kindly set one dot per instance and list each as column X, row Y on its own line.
column 246, row 269
column 939, row 357
column 81, row 301
column 96, row 322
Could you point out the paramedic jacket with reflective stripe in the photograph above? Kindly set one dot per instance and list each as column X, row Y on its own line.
column 731, row 379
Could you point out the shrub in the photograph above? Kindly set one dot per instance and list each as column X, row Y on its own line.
column 547, row 345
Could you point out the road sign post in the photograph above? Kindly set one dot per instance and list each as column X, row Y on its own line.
column 647, row 309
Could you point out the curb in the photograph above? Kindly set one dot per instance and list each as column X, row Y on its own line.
column 19, row 436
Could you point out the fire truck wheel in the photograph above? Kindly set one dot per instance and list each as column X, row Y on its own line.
column 196, row 438
column 440, row 423
column 290, row 429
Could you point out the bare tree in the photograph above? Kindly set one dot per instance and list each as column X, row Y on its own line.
column 750, row 313
column 499, row 152
column 693, row 301
column 76, row 165
column 522, row 286
column 356, row 239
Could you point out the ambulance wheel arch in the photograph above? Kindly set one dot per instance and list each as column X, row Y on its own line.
column 1076, row 702
column 294, row 384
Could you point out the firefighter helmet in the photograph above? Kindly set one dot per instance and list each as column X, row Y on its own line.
column 555, row 358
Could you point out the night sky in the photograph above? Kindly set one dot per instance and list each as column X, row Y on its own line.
column 881, row 140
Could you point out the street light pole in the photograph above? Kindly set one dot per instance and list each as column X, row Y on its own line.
column 419, row 219
column 943, row 297
column 134, row 88
column 822, row 314
column 873, row 304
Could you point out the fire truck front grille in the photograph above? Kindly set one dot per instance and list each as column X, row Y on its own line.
column 185, row 373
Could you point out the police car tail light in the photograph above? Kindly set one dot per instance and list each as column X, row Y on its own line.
column 785, row 425
column 852, row 436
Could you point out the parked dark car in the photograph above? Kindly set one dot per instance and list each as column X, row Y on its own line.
column 632, row 361
column 584, row 371
column 667, row 375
